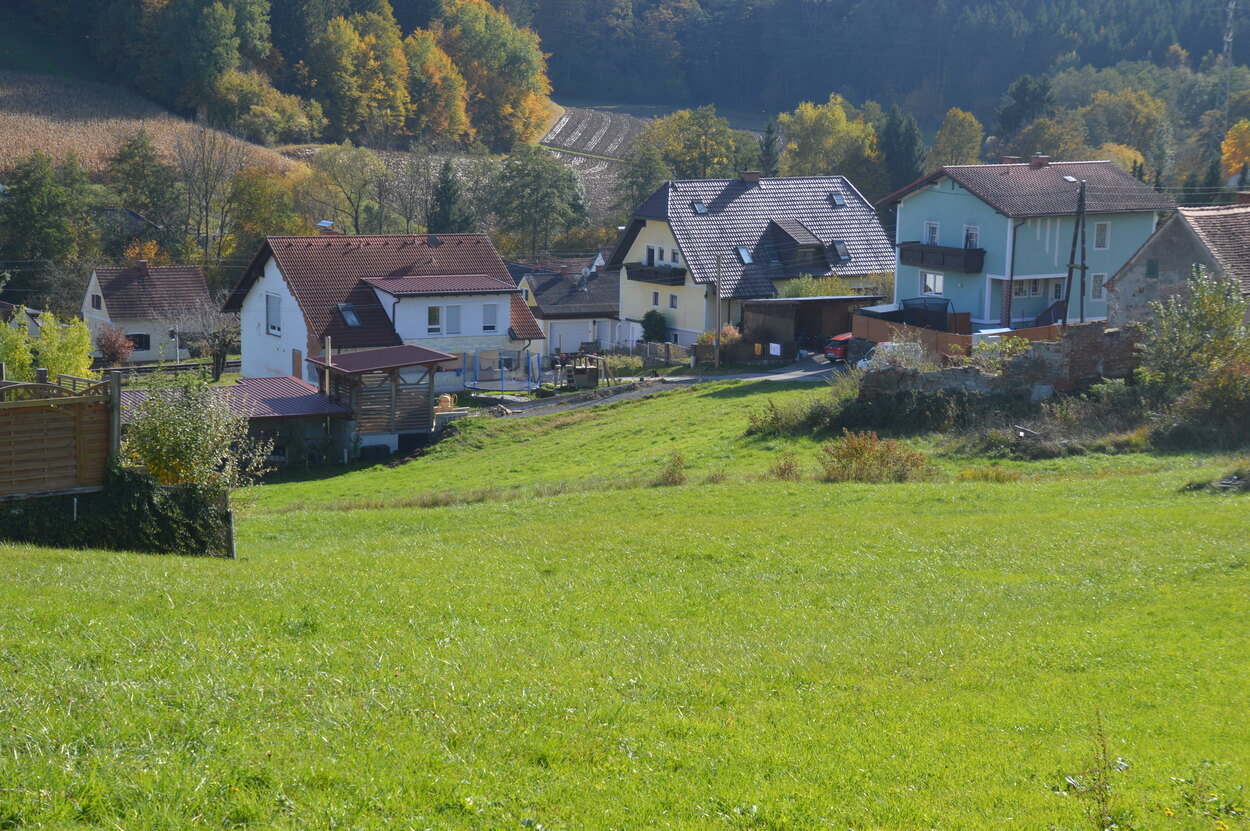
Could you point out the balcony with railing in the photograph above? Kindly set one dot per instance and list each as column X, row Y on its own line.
column 657, row 274
column 942, row 257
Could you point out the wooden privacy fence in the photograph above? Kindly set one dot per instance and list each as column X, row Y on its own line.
column 934, row 341
column 57, row 438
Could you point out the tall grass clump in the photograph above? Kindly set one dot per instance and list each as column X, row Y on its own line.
column 819, row 414
column 863, row 457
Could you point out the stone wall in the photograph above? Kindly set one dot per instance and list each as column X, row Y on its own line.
column 1088, row 353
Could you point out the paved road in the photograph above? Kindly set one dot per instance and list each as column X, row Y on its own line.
column 811, row 369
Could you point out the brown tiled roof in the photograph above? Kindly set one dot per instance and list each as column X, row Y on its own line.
column 441, row 284
column 1021, row 190
column 1225, row 231
column 165, row 290
column 523, row 326
column 324, row 271
column 752, row 215
column 381, row 360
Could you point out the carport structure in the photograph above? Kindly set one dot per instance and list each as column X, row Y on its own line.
column 389, row 391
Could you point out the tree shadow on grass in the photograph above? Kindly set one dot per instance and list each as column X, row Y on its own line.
column 761, row 389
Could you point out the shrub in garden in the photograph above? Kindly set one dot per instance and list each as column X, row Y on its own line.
column 654, row 326
column 863, row 457
column 624, row 364
column 113, row 345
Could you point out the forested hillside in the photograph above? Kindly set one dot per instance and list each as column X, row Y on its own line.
column 928, row 55
column 290, row 70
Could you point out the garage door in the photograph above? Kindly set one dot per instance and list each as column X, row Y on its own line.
column 566, row 336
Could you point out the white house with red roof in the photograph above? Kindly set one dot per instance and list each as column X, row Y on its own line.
column 143, row 301
column 446, row 292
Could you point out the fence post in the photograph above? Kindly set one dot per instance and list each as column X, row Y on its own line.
column 115, row 413
column 1, row 370
column 41, row 375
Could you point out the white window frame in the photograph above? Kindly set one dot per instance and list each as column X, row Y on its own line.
column 434, row 320
column 932, row 232
column 1098, row 287
column 672, row 301
column 1020, row 288
column 1105, row 229
column 938, row 283
column 451, row 320
column 1037, row 287
column 1056, row 290
column 973, row 231
column 490, row 317
column 273, row 314
column 673, row 258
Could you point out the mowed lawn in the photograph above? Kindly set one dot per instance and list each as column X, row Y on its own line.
column 710, row 656
column 604, row 446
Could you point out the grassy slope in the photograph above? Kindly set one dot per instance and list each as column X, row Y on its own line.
column 746, row 656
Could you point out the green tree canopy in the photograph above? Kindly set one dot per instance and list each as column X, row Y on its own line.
column 45, row 213
column 437, row 90
column 903, row 148
column 693, row 144
column 450, row 212
column 537, row 197
column 644, row 171
column 958, row 140
column 821, row 141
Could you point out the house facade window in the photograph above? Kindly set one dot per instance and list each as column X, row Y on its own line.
column 1056, row 290
column 659, row 254
column 490, row 317
column 655, row 298
column 931, row 233
column 972, row 236
column 1035, row 288
column 451, row 320
column 673, row 257
column 1020, row 288
column 930, row 283
column 141, row 341
column 526, row 294
column 273, row 314
column 672, row 301
column 1097, row 289
column 434, row 320
column 1102, row 236
column 97, row 302
column 650, row 255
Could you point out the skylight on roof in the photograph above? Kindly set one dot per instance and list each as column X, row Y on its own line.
column 744, row 255
column 348, row 311
column 699, row 208
column 844, row 255
column 838, row 200
column 1070, row 179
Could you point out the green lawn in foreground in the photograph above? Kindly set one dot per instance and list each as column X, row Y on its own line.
column 773, row 656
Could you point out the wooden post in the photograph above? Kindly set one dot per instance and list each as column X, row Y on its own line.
column 1, row 370
column 115, row 413
column 41, row 375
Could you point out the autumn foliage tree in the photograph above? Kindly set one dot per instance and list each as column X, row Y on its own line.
column 821, row 140
column 113, row 344
column 1235, row 149
column 958, row 140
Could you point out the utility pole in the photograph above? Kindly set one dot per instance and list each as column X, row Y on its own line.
column 1078, row 226
column 1226, row 63
column 1084, row 270
column 716, row 328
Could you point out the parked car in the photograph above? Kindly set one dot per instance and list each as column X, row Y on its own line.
column 890, row 352
column 835, row 349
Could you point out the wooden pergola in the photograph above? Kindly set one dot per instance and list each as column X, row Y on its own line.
column 389, row 390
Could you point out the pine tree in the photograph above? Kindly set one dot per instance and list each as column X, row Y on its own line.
column 903, row 148
column 770, row 150
column 450, row 212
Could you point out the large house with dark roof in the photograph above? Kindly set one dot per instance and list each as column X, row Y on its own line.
column 1216, row 238
column 449, row 292
column 994, row 240
column 695, row 250
column 143, row 301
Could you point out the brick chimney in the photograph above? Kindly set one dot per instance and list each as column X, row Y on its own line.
column 142, row 267
column 1039, row 160
column 751, row 177
column 1012, row 160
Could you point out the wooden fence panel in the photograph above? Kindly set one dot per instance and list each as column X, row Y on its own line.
column 54, row 438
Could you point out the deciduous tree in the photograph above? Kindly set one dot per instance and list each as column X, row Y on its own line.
column 343, row 182
column 821, row 141
column 538, row 197
column 437, row 91
column 958, row 140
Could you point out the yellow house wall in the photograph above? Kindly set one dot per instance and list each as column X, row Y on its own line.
column 694, row 313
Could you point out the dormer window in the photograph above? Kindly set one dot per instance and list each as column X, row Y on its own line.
column 699, row 208
column 348, row 311
column 744, row 255
column 844, row 256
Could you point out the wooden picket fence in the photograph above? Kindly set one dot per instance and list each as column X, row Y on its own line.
column 56, row 438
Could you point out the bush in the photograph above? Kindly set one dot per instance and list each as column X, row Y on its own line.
column 113, row 345
column 621, row 365
column 673, row 473
column 805, row 417
column 863, row 457
column 989, row 355
column 787, row 468
column 654, row 326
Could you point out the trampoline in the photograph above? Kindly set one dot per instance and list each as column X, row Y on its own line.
column 502, row 370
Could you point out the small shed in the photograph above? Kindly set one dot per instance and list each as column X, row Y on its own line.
column 788, row 319
column 389, row 391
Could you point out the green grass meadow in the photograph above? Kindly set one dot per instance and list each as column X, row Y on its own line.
column 745, row 655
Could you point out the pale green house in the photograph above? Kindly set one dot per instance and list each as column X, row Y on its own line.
column 994, row 240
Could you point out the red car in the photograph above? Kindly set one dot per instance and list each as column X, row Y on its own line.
column 835, row 349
